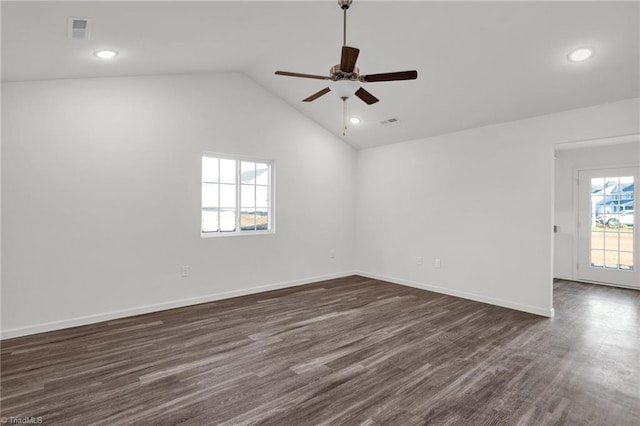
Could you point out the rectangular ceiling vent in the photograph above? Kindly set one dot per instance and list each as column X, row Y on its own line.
column 389, row 121
column 78, row 28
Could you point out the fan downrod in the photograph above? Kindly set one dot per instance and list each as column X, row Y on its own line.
column 344, row 5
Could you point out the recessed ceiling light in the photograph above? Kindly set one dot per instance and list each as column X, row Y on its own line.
column 354, row 120
column 581, row 54
column 106, row 54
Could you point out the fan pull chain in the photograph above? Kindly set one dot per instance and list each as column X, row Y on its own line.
column 344, row 116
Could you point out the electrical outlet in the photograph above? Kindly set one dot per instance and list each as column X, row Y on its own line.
column 184, row 271
column 437, row 263
column 419, row 261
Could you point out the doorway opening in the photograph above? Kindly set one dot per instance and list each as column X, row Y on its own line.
column 596, row 192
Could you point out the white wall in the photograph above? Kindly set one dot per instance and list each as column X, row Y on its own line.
column 101, row 196
column 567, row 162
column 480, row 200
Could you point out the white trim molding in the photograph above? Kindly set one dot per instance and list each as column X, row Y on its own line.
column 634, row 137
column 564, row 277
column 463, row 294
column 123, row 313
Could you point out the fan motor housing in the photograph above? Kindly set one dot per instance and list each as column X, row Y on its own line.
column 337, row 73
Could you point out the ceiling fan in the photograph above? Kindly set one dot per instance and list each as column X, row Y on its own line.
column 345, row 79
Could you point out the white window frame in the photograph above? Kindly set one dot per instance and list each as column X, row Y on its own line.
column 271, row 227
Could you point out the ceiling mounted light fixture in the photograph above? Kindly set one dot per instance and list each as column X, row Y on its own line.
column 344, row 89
column 354, row 120
column 106, row 54
column 581, row 54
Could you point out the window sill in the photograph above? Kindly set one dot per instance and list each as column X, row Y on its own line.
column 235, row 234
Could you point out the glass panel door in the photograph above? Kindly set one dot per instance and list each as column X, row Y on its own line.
column 608, row 241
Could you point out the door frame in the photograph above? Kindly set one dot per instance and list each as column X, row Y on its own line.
column 576, row 216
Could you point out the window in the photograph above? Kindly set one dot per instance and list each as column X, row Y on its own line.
column 237, row 196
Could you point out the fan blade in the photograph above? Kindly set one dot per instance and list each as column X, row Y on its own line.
column 296, row 74
column 367, row 97
column 317, row 95
column 348, row 59
column 391, row 76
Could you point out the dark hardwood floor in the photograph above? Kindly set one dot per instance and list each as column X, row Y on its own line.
column 346, row 351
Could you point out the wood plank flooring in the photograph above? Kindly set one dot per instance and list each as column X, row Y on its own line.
column 351, row 351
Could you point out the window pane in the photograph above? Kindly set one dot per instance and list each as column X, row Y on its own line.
column 262, row 196
column 605, row 207
column 227, row 171
column 262, row 219
column 209, row 195
column 626, row 260
column 248, row 219
column 209, row 220
column 247, row 172
column 611, row 240
column 597, row 185
column 626, row 240
column 597, row 240
column 227, row 195
column 262, row 174
column 247, row 196
column 611, row 259
column 609, row 182
column 227, row 220
column 209, row 169
column 597, row 258
column 613, row 222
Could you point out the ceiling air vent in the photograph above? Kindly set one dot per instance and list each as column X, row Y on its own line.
column 78, row 28
column 389, row 121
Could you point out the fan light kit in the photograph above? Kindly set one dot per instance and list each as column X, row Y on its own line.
column 345, row 79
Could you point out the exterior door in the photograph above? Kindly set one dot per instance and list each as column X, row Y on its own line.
column 608, row 236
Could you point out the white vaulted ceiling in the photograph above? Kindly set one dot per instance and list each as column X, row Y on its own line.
column 478, row 63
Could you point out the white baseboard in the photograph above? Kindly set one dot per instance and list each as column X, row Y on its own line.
column 106, row 316
column 564, row 277
column 463, row 294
